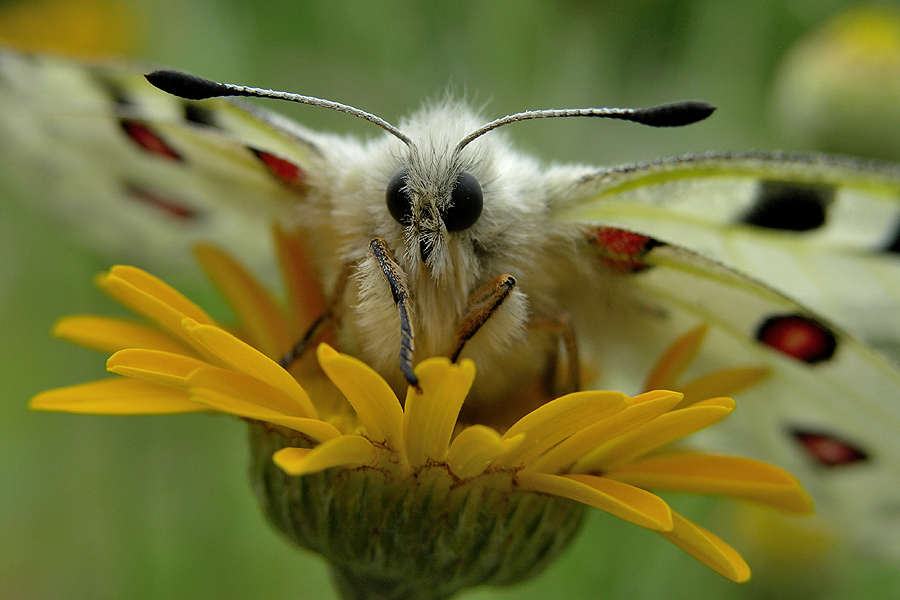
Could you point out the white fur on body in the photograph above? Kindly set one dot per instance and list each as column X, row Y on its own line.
column 513, row 236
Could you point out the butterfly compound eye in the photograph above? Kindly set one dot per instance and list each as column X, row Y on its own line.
column 398, row 201
column 466, row 202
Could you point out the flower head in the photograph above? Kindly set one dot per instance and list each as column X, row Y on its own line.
column 848, row 66
column 97, row 28
column 400, row 497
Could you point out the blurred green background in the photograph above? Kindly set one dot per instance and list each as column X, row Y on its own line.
column 158, row 507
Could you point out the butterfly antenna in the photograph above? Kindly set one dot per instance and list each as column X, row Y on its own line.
column 191, row 87
column 676, row 114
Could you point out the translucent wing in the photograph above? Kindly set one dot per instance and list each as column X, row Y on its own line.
column 828, row 411
column 824, row 229
column 141, row 175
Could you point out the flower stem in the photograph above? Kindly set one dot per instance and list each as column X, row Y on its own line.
column 356, row 586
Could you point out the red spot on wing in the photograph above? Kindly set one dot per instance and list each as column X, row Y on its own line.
column 144, row 137
column 799, row 337
column 828, row 450
column 620, row 250
column 286, row 171
column 171, row 207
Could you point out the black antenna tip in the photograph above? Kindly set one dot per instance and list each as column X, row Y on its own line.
column 675, row 114
column 184, row 85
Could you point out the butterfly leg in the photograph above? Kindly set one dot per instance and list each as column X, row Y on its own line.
column 396, row 279
column 561, row 326
column 483, row 302
column 314, row 331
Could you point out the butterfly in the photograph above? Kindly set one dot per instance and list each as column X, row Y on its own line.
column 439, row 237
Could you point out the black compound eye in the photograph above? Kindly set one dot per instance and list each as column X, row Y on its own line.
column 466, row 202
column 398, row 201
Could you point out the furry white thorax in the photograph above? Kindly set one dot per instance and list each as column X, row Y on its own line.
column 505, row 239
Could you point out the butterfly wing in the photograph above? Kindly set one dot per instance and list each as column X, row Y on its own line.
column 828, row 410
column 142, row 176
column 824, row 229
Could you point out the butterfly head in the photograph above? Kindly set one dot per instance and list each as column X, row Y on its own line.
column 433, row 209
column 436, row 193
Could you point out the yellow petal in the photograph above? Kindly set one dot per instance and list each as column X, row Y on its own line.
column 249, row 408
column 155, row 287
column 343, row 451
column 300, row 279
column 621, row 500
column 257, row 311
column 474, row 448
column 724, row 382
column 654, row 395
column 788, row 542
column 148, row 305
column 315, row 429
column 675, row 360
column 248, row 360
column 154, row 366
column 367, row 392
column 548, row 425
column 732, row 476
column 111, row 334
column 117, row 397
column 663, row 430
column 245, row 386
column 708, row 549
column 429, row 417
column 580, row 449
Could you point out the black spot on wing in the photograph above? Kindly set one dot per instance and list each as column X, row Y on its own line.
column 283, row 169
column 789, row 206
column 798, row 336
column 117, row 94
column 172, row 208
column 148, row 140
column 894, row 244
column 194, row 112
column 826, row 449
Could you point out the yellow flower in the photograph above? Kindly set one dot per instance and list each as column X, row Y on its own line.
column 400, row 497
column 848, row 66
column 85, row 28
